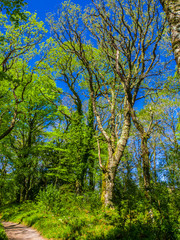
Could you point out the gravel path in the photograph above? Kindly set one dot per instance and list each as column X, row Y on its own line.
column 16, row 231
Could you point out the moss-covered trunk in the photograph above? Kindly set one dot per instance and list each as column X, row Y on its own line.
column 108, row 177
column 107, row 189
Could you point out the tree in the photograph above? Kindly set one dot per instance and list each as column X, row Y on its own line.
column 27, row 140
column 168, row 131
column 16, row 51
column 77, row 134
column 172, row 11
column 117, row 69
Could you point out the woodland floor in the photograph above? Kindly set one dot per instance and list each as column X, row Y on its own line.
column 16, row 231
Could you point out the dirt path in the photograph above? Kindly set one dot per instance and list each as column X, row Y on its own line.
column 16, row 231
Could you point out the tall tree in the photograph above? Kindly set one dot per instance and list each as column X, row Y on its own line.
column 125, row 57
column 65, row 69
column 16, row 51
column 27, row 140
column 168, row 140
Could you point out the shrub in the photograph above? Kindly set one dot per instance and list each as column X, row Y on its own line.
column 49, row 199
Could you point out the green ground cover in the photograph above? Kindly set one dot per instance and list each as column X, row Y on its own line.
column 2, row 233
column 80, row 217
column 78, row 224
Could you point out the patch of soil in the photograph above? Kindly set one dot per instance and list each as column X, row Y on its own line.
column 16, row 231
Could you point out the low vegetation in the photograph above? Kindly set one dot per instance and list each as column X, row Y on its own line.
column 2, row 233
column 67, row 216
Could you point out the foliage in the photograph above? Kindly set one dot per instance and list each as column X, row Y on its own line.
column 13, row 8
column 61, row 216
column 80, row 157
column 17, row 50
column 2, row 233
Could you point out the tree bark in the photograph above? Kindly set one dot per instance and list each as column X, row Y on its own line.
column 91, row 174
column 144, row 149
column 114, row 157
column 108, row 187
column 154, row 162
column 146, row 162
column 172, row 10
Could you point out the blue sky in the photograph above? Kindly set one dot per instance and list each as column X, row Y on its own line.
column 42, row 7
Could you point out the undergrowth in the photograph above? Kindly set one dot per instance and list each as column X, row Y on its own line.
column 2, row 233
column 57, row 215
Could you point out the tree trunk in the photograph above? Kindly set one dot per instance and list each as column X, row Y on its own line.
column 154, row 163
column 115, row 154
column 78, row 187
column 144, row 149
column 140, row 172
column 146, row 163
column 91, row 174
column 172, row 10
column 91, row 134
column 107, row 190
column 108, row 177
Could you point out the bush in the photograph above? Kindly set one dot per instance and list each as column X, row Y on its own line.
column 49, row 199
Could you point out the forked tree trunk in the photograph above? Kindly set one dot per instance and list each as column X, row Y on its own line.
column 115, row 154
column 172, row 10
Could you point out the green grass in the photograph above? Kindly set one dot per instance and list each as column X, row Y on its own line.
column 82, row 223
column 78, row 224
column 2, row 233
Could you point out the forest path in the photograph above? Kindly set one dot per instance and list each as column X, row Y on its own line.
column 17, row 231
